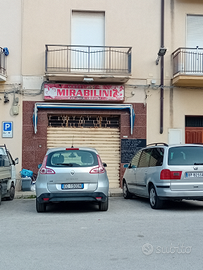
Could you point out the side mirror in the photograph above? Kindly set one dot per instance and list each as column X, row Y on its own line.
column 126, row 165
column 104, row 164
column 39, row 166
column 16, row 161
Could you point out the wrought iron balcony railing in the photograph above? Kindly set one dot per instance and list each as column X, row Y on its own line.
column 188, row 61
column 2, row 63
column 88, row 59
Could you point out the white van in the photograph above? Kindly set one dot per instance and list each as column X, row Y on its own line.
column 7, row 174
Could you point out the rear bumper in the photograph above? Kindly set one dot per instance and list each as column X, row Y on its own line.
column 72, row 196
column 165, row 193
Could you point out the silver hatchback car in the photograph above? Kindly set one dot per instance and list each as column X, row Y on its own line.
column 162, row 172
column 72, row 174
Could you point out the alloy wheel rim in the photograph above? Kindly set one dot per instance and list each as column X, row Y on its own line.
column 152, row 196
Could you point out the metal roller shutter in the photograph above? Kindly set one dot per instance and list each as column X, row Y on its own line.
column 105, row 140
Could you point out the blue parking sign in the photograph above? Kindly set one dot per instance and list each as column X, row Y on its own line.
column 7, row 130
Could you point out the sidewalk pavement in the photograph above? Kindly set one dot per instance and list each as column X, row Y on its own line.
column 114, row 192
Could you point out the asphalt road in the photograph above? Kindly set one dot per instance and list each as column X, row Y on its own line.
column 77, row 236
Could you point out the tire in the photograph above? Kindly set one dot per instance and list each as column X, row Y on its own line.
column 11, row 193
column 0, row 195
column 103, row 206
column 154, row 200
column 40, row 207
column 126, row 193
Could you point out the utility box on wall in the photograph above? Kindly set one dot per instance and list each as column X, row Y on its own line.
column 175, row 136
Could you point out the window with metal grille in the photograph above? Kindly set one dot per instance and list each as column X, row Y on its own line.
column 194, row 121
column 84, row 121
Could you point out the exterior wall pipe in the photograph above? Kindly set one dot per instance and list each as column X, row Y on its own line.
column 162, row 69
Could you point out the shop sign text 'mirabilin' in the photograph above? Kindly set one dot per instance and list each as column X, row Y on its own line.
column 83, row 92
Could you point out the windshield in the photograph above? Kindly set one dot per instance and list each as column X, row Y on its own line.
column 4, row 161
column 72, row 158
column 185, row 155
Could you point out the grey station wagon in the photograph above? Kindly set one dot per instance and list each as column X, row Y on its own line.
column 162, row 172
column 72, row 174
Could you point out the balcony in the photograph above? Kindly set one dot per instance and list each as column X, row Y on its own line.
column 88, row 63
column 3, row 74
column 188, row 67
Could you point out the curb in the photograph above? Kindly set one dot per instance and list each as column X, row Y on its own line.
column 25, row 195
column 31, row 194
column 116, row 193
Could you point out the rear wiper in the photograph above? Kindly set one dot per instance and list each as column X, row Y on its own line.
column 198, row 163
column 65, row 164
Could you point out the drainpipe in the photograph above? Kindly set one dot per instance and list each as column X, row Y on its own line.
column 162, row 68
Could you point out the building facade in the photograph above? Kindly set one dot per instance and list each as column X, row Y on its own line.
column 110, row 78
column 11, row 78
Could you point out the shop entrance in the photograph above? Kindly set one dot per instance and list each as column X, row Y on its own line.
column 99, row 132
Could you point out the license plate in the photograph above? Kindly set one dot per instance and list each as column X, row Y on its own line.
column 72, row 186
column 194, row 174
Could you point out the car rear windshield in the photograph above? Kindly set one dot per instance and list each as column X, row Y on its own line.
column 185, row 155
column 72, row 158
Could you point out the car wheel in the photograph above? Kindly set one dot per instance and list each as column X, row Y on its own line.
column 11, row 193
column 126, row 193
column 0, row 195
column 154, row 200
column 103, row 206
column 40, row 207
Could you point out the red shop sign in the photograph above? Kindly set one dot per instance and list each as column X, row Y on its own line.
column 83, row 92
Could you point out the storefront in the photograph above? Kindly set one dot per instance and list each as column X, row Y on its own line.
column 98, row 119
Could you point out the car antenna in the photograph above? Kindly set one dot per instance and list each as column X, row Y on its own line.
column 72, row 142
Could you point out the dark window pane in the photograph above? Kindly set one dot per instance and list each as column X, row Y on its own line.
column 156, row 157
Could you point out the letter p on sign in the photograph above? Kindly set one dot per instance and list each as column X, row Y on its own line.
column 7, row 131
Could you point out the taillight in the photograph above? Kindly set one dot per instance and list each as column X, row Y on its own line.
column 170, row 175
column 99, row 169
column 47, row 171
column 44, row 169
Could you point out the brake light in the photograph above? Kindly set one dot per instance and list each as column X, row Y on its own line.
column 99, row 169
column 44, row 169
column 170, row 175
column 72, row 148
column 47, row 171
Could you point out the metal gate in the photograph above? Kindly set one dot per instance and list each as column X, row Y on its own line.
column 99, row 132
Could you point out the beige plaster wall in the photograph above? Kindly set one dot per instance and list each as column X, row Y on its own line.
column 131, row 23
column 178, row 102
column 10, row 37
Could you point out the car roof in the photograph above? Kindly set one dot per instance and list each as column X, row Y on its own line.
column 173, row 145
column 185, row 145
column 50, row 150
